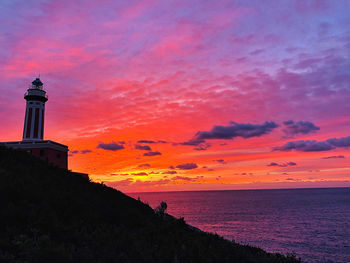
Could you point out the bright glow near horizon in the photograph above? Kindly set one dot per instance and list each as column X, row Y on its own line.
column 224, row 95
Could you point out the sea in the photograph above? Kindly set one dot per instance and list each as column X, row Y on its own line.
column 313, row 224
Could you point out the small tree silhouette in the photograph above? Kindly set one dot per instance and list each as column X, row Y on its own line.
column 160, row 210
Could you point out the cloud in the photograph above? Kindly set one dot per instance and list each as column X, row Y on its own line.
column 282, row 164
column 187, row 166
column 144, row 165
column 301, row 127
column 150, row 141
column 291, row 179
column 169, row 172
column 152, row 153
column 273, row 164
column 220, row 160
column 85, row 151
column 341, row 142
column 139, row 184
column 291, row 164
column 314, row 146
column 243, row 173
column 200, row 143
column 193, row 142
column 121, row 183
column 140, row 174
column 113, row 146
column 244, row 130
column 202, row 147
column 334, row 157
column 146, row 184
column 305, row 146
column 143, row 147
column 123, row 174
column 72, row 153
column 145, row 141
column 184, row 178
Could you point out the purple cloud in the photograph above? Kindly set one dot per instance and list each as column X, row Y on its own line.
column 334, row 157
column 143, row 147
column 169, row 172
column 152, row 153
column 71, row 153
column 85, row 151
column 150, row 141
column 282, row 164
column 202, row 147
column 301, row 127
column 244, row 130
column 113, row 146
column 140, row 174
column 314, row 146
column 341, row 142
column 144, row 165
column 184, row 178
column 145, row 141
column 305, row 146
column 187, row 166
column 193, row 142
column 200, row 144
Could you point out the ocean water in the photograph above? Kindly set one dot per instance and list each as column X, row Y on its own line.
column 312, row 223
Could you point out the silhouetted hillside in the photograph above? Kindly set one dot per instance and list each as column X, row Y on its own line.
column 51, row 215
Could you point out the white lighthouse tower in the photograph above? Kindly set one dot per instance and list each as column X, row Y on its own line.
column 35, row 111
column 33, row 130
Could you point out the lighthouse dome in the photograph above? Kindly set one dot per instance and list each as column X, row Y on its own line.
column 37, row 82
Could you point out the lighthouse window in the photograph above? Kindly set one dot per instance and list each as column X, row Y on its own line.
column 37, row 103
column 30, row 102
column 42, row 152
column 58, row 156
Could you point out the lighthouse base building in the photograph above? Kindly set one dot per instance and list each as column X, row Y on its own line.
column 33, row 131
column 50, row 151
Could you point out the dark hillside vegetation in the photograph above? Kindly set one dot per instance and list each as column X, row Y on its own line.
column 48, row 214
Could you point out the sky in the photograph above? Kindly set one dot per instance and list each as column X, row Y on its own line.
column 186, row 95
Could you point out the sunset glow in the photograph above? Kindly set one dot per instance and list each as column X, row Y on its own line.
column 186, row 95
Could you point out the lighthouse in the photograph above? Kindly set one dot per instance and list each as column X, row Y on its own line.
column 35, row 112
column 33, row 131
